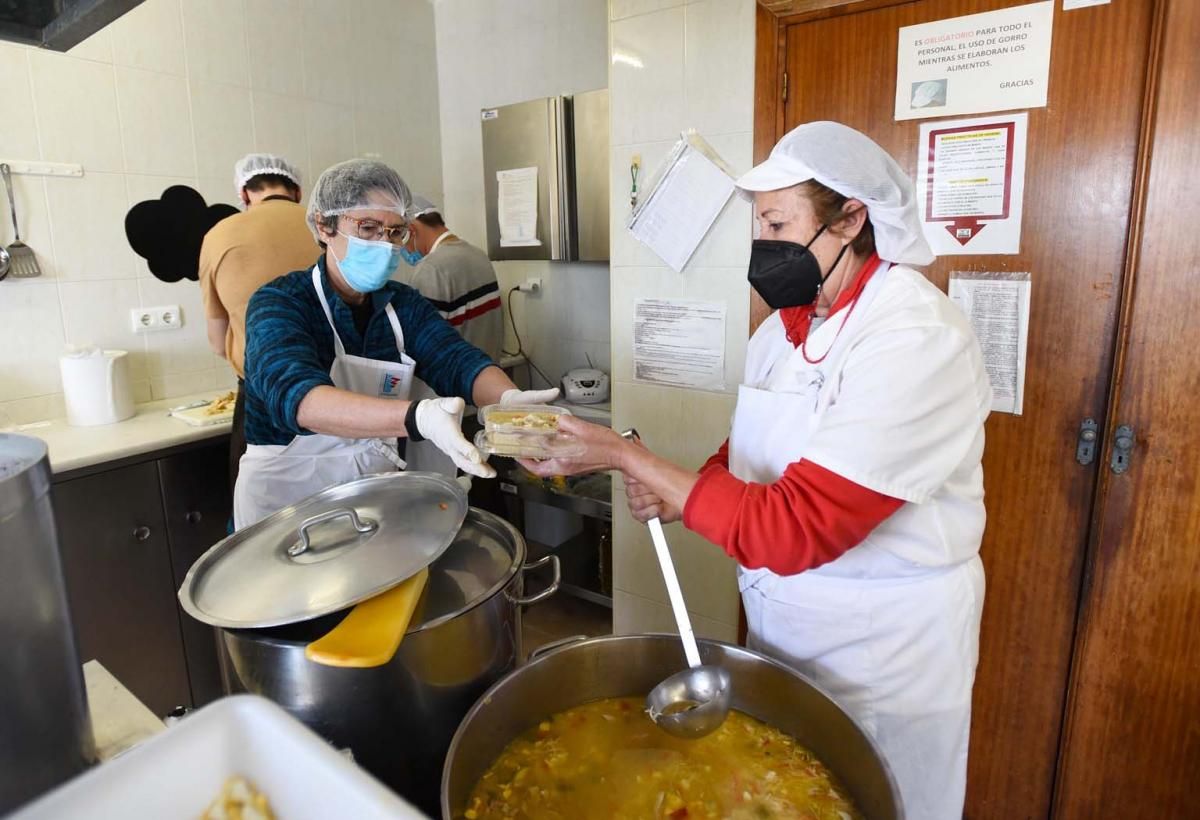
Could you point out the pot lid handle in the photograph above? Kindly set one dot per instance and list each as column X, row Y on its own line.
column 360, row 525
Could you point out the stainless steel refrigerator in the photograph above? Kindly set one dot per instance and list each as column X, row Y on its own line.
column 566, row 140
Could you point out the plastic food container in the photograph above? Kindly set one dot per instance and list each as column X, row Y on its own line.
column 529, row 445
column 179, row 772
column 526, row 419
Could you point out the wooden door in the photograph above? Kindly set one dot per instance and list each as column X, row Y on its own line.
column 1132, row 742
column 1082, row 159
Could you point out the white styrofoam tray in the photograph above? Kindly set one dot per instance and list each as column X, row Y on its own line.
column 179, row 772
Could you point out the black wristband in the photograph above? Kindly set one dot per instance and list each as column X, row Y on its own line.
column 410, row 422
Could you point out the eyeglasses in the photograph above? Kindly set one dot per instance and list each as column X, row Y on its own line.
column 374, row 230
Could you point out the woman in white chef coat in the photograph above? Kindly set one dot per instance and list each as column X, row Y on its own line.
column 850, row 490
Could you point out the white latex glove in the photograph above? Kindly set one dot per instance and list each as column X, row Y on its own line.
column 510, row 397
column 440, row 421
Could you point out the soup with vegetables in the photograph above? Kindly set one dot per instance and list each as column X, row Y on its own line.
column 607, row 759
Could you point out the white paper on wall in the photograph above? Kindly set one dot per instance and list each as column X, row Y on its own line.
column 682, row 201
column 516, row 208
column 995, row 61
column 679, row 343
column 997, row 305
column 971, row 183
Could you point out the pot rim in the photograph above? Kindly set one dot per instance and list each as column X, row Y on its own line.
column 572, row 646
column 520, row 551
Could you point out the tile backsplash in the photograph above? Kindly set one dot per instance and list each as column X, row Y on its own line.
column 678, row 64
column 173, row 93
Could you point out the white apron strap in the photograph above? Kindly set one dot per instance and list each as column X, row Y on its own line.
column 316, row 280
column 397, row 331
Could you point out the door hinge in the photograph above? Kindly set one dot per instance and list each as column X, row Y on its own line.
column 1085, row 447
column 1122, row 452
column 785, row 86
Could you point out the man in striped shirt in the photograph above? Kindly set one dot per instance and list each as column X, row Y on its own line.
column 455, row 276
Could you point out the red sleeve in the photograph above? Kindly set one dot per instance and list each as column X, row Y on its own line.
column 719, row 459
column 807, row 518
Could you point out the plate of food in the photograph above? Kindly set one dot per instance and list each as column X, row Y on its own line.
column 217, row 411
column 241, row 756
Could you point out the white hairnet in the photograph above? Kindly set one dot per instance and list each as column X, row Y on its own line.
column 421, row 206
column 357, row 185
column 252, row 165
column 850, row 163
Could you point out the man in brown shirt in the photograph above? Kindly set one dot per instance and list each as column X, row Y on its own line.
column 245, row 251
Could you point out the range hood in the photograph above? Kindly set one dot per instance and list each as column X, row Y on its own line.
column 57, row 24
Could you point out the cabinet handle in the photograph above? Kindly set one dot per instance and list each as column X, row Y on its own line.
column 193, row 517
column 142, row 533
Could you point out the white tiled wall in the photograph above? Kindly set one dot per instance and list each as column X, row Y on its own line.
column 677, row 65
column 495, row 52
column 173, row 93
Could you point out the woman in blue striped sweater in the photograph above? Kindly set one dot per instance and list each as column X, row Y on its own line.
column 331, row 353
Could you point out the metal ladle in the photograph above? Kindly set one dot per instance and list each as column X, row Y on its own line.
column 694, row 702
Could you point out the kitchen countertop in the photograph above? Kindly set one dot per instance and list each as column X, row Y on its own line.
column 149, row 429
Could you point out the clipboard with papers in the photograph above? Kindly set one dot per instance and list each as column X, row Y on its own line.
column 682, row 201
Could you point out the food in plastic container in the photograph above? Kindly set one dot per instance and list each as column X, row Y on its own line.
column 239, row 800
column 177, row 773
column 529, row 445
column 529, row 419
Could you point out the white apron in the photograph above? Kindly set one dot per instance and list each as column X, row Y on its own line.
column 894, row 643
column 424, row 455
column 272, row 476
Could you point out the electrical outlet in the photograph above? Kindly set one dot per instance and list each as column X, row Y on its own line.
column 155, row 319
column 169, row 317
column 532, row 285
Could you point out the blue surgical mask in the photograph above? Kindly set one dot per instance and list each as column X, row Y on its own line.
column 368, row 264
column 411, row 257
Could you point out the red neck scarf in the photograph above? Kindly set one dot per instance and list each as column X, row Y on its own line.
column 797, row 321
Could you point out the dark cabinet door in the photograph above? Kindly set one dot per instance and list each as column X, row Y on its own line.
column 197, row 503
column 118, row 573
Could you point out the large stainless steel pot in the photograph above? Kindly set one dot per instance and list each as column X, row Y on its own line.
column 45, row 730
column 398, row 719
column 628, row 665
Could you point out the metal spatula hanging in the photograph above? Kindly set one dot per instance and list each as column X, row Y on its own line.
column 22, row 262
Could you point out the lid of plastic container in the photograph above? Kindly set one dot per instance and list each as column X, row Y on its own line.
column 343, row 545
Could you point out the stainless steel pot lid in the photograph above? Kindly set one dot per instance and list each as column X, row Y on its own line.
column 341, row 546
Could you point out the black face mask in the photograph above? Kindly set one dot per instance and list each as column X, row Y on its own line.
column 787, row 274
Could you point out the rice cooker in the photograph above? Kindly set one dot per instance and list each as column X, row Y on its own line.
column 585, row 385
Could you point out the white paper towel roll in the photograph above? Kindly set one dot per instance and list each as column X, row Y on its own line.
column 96, row 386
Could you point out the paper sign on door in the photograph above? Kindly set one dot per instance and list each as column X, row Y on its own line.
column 517, row 207
column 997, row 305
column 994, row 61
column 971, row 184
